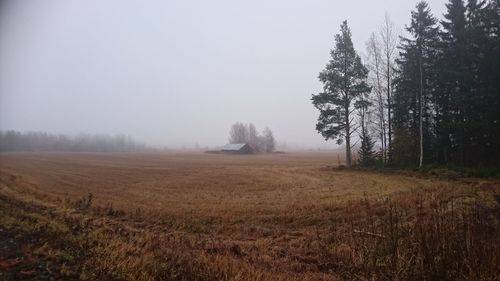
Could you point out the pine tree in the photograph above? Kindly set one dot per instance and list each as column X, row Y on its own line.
column 344, row 80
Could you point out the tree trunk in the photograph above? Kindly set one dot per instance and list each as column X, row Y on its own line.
column 348, row 151
column 421, row 158
column 347, row 139
column 389, row 124
column 384, row 145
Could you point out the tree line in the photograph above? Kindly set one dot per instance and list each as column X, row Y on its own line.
column 13, row 141
column 430, row 97
column 247, row 133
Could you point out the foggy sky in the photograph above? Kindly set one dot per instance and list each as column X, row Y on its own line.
column 175, row 73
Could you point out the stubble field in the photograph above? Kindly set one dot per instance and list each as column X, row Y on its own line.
column 196, row 216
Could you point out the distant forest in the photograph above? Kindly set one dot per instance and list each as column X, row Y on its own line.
column 12, row 141
column 429, row 97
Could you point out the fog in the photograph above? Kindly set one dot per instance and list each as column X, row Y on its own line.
column 175, row 73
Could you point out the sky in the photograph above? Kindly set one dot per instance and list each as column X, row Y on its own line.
column 176, row 73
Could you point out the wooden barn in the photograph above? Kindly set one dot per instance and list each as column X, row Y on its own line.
column 237, row 148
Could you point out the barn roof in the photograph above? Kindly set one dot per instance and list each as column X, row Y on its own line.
column 233, row 146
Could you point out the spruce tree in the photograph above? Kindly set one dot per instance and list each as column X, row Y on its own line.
column 467, row 102
column 453, row 80
column 344, row 81
column 491, row 86
column 366, row 154
column 482, row 118
column 417, row 81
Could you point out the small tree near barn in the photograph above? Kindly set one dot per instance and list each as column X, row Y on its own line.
column 248, row 134
column 238, row 133
column 268, row 142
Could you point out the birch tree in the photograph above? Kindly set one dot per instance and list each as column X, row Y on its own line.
column 389, row 40
column 374, row 64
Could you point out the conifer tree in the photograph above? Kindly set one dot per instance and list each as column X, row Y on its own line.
column 344, row 81
column 453, row 79
column 467, row 102
column 366, row 153
column 417, row 80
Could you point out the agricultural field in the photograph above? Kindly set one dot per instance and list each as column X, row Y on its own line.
column 277, row 216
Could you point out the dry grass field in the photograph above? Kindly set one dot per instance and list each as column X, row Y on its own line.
column 196, row 216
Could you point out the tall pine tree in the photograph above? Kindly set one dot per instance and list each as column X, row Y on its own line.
column 344, row 80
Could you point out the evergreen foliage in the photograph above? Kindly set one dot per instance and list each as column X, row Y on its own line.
column 445, row 102
column 344, row 82
column 461, row 93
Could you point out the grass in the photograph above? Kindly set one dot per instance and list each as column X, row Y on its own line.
column 190, row 216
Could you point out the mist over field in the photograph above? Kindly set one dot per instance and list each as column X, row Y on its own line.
column 175, row 73
column 185, row 140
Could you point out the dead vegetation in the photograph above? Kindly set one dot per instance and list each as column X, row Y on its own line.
column 262, row 217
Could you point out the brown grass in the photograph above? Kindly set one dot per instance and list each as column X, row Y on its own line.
column 193, row 216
